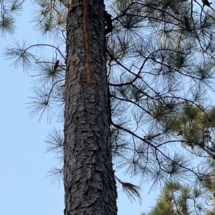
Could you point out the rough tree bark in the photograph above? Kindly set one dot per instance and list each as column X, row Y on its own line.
column 89, row 182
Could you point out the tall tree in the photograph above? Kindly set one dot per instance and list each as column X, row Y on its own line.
column 89, row 181
column 160, row 56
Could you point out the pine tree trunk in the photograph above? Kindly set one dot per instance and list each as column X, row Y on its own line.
column 89, row 182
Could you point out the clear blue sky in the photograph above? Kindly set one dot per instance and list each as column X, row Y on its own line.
column 25, row 187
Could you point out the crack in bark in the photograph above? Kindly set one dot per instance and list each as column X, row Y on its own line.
column 69, row 3
column 86, row 42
